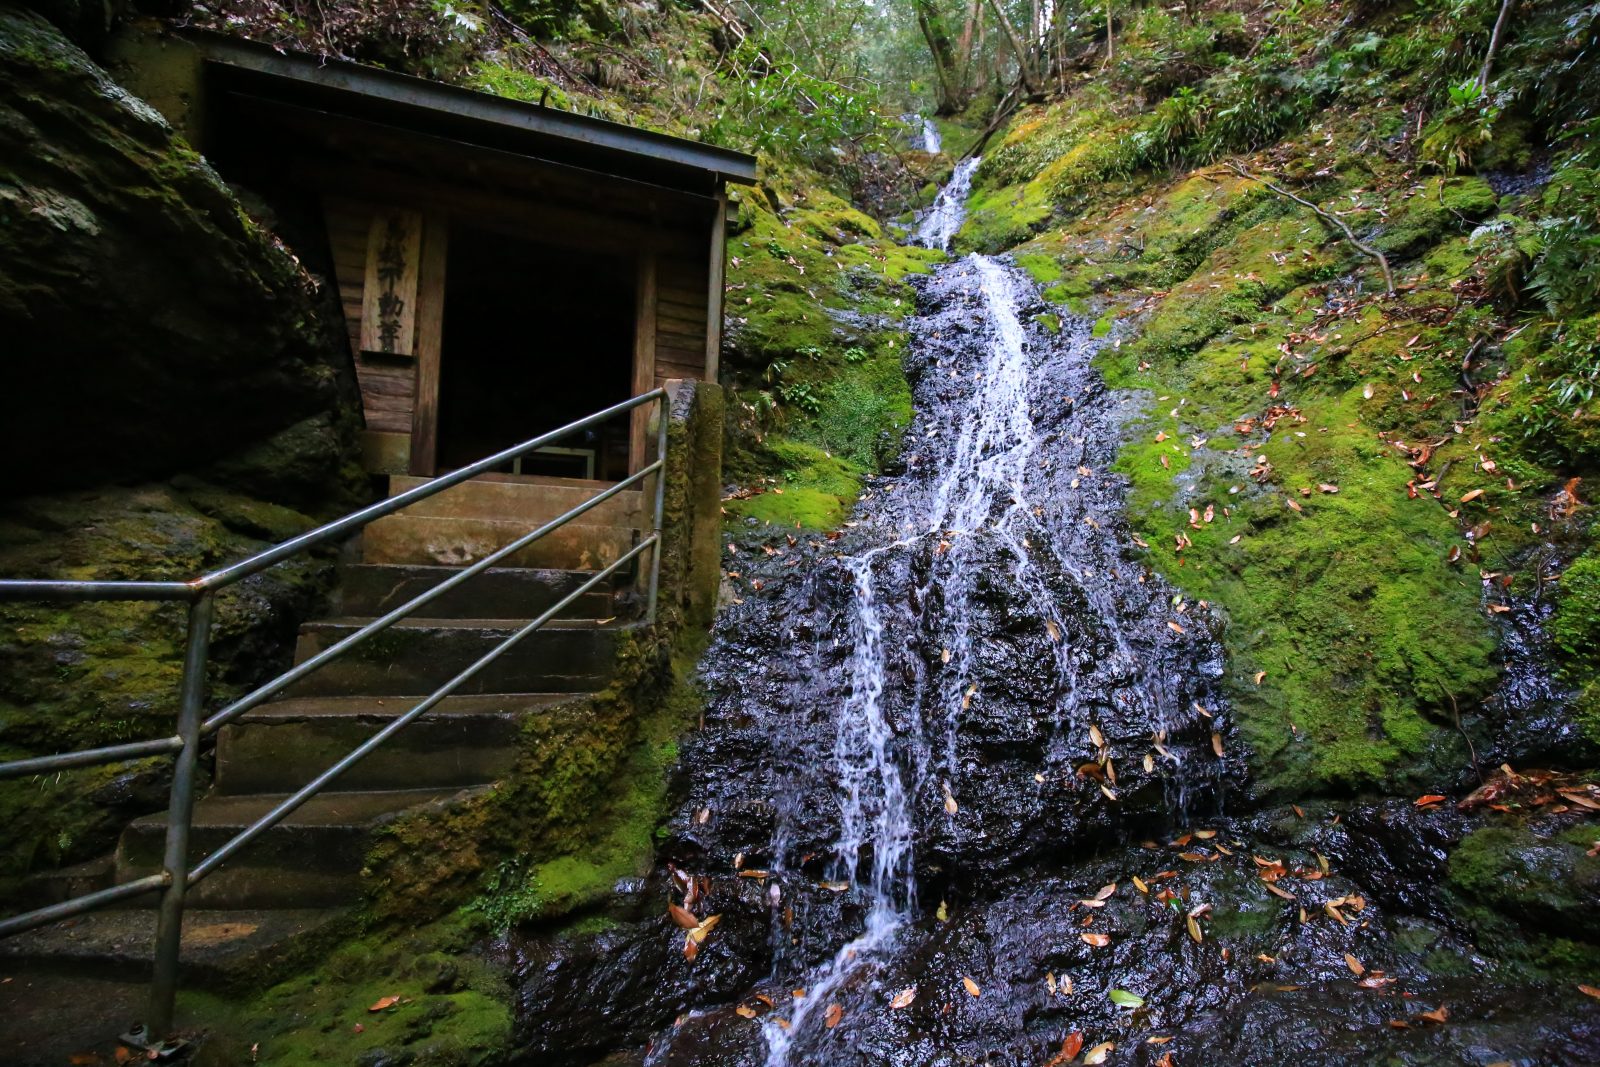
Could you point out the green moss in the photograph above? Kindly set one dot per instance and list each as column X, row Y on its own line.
column 1000, row 218
column 1548, row 885
column 452, row 1008
column 810, row 489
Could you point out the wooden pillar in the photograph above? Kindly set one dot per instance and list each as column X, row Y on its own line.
column 715, row 289
column 429, row 345
column 644, row 352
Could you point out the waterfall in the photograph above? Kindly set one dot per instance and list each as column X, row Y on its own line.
column 932, row 143
column 949, row 209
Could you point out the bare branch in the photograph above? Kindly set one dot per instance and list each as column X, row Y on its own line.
column 1332, row 220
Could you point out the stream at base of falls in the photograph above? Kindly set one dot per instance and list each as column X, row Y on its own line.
column 967, row 791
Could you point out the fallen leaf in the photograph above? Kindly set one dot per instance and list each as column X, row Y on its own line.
column 1278, row 891
column 1437, row 1015
column 971, row 987
column 1216, row 743
column 950, row 805
column 1124, row 999
column 1355, row 965
column 1099, row 1053
column 1194, row 929
column 682, row 916
column 1095, row 736
column 1174, row 626
column 1589, row 990
column 1055, row 631
column 384, row 1004
column 1431, row 798
column 831, row 1017
column 1097, row 940
column 904, row 998
column 1467, row 498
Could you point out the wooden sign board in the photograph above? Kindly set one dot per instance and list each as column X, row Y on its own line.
column 389, row 295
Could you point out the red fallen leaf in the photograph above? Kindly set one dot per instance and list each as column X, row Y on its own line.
column 682, row 916
column 831, row 1017
column 1273, row 392
column 384, row 1004
column 1431, row 798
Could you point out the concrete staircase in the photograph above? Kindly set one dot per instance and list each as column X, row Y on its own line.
column 298, row 877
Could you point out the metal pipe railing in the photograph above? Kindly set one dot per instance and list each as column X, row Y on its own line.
column 176, row 875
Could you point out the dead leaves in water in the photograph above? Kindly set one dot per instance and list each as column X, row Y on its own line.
column 831, row 1017
column 904, row 998
column 1549, row 791
column 1096, row 940
column 971, row 987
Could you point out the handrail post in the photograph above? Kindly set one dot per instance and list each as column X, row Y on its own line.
column 661, row 488
column 180, row 810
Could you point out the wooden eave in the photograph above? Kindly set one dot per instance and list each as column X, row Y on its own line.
column 466, row 116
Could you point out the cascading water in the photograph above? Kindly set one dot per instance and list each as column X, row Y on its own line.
column 957, row 797
column 1007, row 415
column 932, row 142
column 949, row 209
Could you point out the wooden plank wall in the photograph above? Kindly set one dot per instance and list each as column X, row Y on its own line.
column 682, row 276
column 388, row 385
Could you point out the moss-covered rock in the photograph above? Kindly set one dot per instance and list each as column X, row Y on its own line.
column 154, row 326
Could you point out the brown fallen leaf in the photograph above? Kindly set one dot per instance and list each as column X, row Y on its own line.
column 831, row 1017
column 1195, row 933
column 1099, row 1053
column 1469, row 497
column 1216, row 744
column 1278, row 891
column 971, row 987
column 1174, row 626
column 1437, row 1015
column 1071, row 1045
column 1054, row 631
column 384, row 1004
column 1097, row 940
column 904, row 998
column 1355, row 965
column 1260, row 675
column 1138, row 883
column 1589, row 990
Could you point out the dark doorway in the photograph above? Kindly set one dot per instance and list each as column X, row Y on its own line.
column 534, row 338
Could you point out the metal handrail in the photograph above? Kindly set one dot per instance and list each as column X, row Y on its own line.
column 176, row 875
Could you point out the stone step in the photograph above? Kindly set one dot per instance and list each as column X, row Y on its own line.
column 312, row 859
column 240, row 948
column 467, row 740
column 367, row 589
column 530, row 502
column 416, row 656
column 456, row 542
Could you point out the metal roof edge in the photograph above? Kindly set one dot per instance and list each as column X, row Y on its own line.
column 451, row 100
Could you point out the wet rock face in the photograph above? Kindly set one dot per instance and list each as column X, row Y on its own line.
column 921, row 800
column 147, row 320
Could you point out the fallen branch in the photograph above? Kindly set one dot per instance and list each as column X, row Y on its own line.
column 1330, row 218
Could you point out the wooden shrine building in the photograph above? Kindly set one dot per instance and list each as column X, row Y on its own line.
column 504, row 268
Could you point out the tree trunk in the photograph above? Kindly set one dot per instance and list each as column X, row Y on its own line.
column 1494, row 44
column 931, row 22
column 1024, row 71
